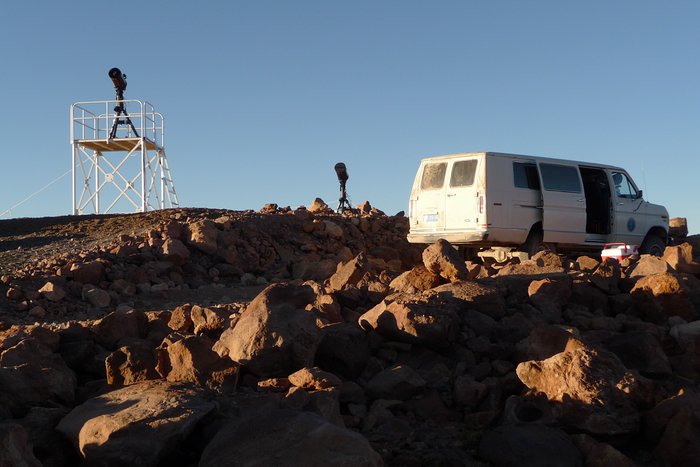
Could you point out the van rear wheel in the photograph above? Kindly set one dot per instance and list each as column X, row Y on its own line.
column 534, row 244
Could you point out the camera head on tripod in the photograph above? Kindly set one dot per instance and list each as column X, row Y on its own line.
column 119, row 79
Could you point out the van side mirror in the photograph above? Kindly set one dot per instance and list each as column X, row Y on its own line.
column 640, row 194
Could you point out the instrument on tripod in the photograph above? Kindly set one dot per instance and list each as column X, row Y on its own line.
column 342, row 173
column 119, row 80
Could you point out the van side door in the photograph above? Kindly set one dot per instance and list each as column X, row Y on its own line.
column 563, row 203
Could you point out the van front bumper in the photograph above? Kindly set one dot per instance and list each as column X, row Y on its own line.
column 456, row 238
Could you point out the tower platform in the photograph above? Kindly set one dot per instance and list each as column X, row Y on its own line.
column 118, row 158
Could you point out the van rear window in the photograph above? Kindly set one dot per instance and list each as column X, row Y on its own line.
column 557, row 177
column 463, row 173
column 525, row 175
column 433, row 176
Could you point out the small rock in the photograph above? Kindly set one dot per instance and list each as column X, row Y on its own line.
column 314, row 378
column 318, row 205
column 38, row 312
column 96, row 296
column 52, row 291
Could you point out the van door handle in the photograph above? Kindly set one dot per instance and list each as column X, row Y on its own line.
column 580, row 200
column 451, row 195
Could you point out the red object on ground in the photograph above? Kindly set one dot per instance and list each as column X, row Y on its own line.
column 618, row 251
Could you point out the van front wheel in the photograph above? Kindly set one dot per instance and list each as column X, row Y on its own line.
column 653, row 245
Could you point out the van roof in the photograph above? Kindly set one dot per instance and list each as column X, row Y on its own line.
column 518, row 156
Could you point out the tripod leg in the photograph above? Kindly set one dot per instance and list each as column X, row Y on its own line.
column 128, row 120
column 113, row 132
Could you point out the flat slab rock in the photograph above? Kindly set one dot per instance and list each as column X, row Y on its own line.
column 286, row 437
column 137, row 424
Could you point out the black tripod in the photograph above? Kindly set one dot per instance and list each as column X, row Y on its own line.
column 120, row 109
column 343, row 202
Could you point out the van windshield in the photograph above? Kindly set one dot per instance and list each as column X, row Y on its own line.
column 433, row 176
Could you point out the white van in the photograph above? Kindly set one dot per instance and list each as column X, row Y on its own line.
column 508, row 205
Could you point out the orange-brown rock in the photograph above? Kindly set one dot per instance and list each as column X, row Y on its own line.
column 659, row 296
column 442, row 258
column 415, row 280
column 314, row 379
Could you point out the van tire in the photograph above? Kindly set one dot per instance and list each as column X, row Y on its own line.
column 534, row 243
column 653, row 245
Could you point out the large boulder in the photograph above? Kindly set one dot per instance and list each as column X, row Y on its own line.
column 545, row 341
column 550, row 295
column 641, row 351
column 589, row 387
column 485, row 298
column 678, row 227
column 50, row 447
column 680, row 258
column 413, row 321
column 207, row 321
column 659, row 296
column 203, row 235
column 415, row 280
column 607, row 277
column 443, row 259
column 398, row 382
column 91, row 272
column 344, row 350
column 672, row 426
column 647, row 265
column 598, row 454
column 275, row 336
column 192, row 360
column 656, row 419
column 139, row 424
column 32, row 374
column 15, row 447
column 284, row 436
column 349, row 273
column 686, row 334
column 542, row 263
column 530, row 445
column 131, row 364
column 119, row 325
column 678, row 445
column 175, row 251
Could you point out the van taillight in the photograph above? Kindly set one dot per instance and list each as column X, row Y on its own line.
column 481, row 204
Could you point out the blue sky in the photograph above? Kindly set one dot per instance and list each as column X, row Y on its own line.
column 262, row 98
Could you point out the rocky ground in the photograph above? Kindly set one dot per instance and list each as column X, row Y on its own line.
column 301, row 337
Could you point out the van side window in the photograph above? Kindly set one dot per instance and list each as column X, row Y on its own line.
column 624, row 188
column 525, row 175
column 433, row 176
column 557, row 177
column 463, row 173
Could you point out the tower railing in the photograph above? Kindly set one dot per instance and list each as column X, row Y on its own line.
column 93, row 120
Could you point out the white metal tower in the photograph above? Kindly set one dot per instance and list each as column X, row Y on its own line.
column 119, row 158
